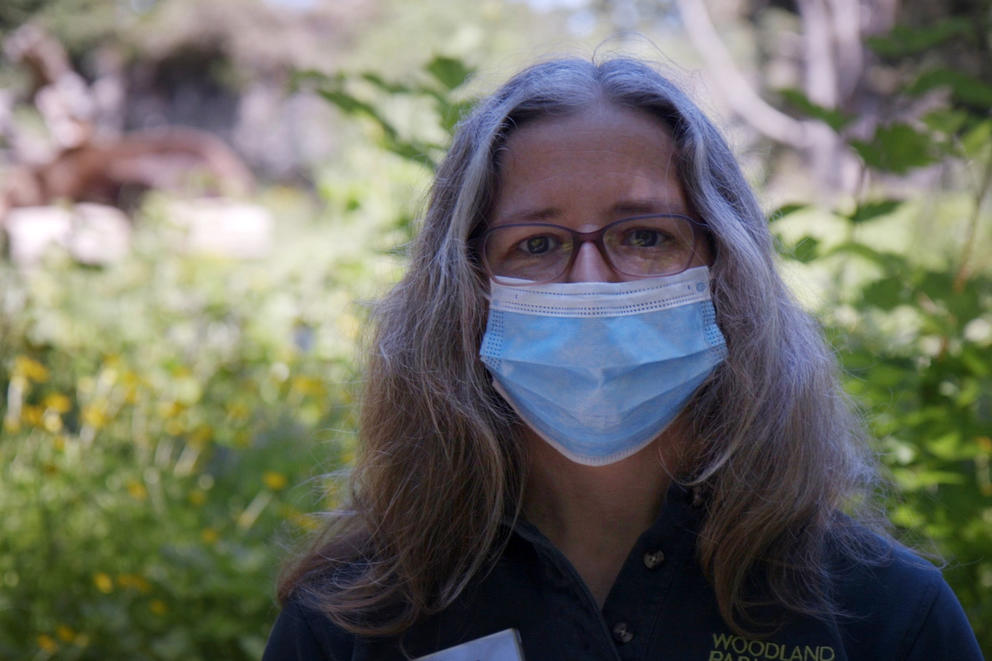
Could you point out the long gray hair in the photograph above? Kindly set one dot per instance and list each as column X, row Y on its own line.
column 775, row 444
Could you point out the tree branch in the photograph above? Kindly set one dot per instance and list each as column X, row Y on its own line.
column 736, row 90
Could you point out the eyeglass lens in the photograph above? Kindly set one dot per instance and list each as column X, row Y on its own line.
column 542, row 252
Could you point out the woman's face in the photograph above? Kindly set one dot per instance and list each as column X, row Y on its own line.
column 586, row 170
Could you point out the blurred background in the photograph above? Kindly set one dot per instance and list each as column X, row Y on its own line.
column 199, row 201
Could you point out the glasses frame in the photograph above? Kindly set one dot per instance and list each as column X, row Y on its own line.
column 596, row 237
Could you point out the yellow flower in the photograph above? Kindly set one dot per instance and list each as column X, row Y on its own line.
column 103, row 582
column 307, row 385
column 32, row 415
column 238, row 411
column 168, row 409
column 65, row 633
column 57, row 402
column 158, row 607
column 134, row 582
column 47, row 643
column 274, row 480
column 51, row 421
column 132, row 387
column 137, row 490
column 201, row 435
column 30, row 368
column 209, row 536
column 95, row 416
column 304, row 521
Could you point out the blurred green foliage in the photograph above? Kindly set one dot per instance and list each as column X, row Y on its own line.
column 913, row 323
column 369, row 96
column 166, row 422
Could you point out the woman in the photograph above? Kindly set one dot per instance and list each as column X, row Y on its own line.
column 595, row 416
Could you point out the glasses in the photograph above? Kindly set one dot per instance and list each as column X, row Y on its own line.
column 662, row 244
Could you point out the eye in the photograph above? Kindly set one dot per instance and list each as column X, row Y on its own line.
column 539, row 244
column 643, row 237
column 530, row 251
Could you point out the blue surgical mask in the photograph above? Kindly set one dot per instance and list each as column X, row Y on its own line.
column 599, row 369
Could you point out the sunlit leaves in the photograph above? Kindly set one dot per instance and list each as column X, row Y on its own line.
column 146, row 467
column 832, row 117
column 786, row 210
column 872, row 209
column 905, row 40
column 914, row 327
column 897, row 148
column 965, row 89
column 449, row 71
column 444, row 76
column 805, row 250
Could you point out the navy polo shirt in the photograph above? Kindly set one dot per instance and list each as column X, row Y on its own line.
column 660, row 607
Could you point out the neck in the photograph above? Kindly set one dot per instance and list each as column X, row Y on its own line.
column 594, row 514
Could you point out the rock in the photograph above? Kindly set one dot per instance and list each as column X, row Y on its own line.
column 222, row 227
column 91, row 233
column 32, row 230
column 100, row 234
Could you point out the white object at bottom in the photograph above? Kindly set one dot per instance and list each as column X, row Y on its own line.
column 501, row 646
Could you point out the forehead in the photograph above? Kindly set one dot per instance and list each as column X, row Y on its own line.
column 596, row 159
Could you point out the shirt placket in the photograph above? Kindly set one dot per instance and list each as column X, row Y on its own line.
column 637, row 603
column 581, row 627
column 640, row 599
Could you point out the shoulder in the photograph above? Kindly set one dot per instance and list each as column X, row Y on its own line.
column 899, row 605
column 303, row 632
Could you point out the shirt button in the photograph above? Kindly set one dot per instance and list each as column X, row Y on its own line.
column 652, row 560
column 622, row 633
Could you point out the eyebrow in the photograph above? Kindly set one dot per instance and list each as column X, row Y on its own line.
column 621, row 208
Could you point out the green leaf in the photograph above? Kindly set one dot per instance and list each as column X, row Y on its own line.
column 896, row 148
column 907, row 517
column 948, row 447
column 965, row 89
column 347, row 102
column 977, row 360
column 886, row 293
column 310, row 76
column 385, row 85
column 890, row 262
column 861, row 250
column 452, row 113
column 805, row 250
column 937, row 285
column 786, row 210
column 945, row 120
column 411, row 151
column 903, row 40
column 977, row 140
column 871, row 210
column 834, row 118
column 355, row 106
column 915, row 479
column 449, row 71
